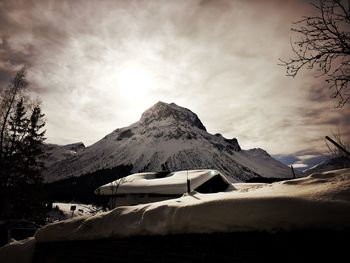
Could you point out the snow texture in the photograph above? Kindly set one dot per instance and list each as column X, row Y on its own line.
column 61, row 211
column 317, row 201
column 55, row 153
column 18, row 251
column 330, row 164
column 168, row 137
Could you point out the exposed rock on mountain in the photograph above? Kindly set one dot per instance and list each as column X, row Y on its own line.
column 169, row 137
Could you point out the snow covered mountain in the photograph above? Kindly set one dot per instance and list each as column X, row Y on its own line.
column 55, row 153
column 329, row 165
column 169, row 137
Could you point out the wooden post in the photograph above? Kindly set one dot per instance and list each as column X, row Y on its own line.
column 72, row 208
column 293, row 171
column 339, row 146
column 188, row 184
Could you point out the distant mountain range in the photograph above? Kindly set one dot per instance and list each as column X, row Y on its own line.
column 334, row 163
column 167, row 137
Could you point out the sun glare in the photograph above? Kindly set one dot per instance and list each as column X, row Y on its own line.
column 134, row 83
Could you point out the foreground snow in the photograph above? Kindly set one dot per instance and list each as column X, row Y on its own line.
column 317, row 201
column 18, row 251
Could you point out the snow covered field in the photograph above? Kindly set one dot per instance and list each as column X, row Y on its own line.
column 319, row 201
column 62, row 211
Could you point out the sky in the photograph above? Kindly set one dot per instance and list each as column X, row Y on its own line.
column 97, row 65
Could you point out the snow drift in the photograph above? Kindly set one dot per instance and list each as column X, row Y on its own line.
column 317, row 201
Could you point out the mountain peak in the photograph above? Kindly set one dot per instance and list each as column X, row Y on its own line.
column 172, row 112
column 167, row 137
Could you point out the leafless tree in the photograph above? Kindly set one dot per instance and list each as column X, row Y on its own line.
column 324, row 45
column 335, row 152
column 115, row 186
column 8, row 99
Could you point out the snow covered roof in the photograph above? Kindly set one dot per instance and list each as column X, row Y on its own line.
column 158, row 183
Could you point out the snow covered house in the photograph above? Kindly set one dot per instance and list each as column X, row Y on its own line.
column 140, row 188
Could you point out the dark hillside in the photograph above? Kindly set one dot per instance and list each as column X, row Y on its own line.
column 81, row 189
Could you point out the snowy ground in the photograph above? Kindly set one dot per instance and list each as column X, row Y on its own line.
column 18, row 251
column 62, row 211
column 319, row 201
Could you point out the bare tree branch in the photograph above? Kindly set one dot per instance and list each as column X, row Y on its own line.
column 324, row 45
column 18, row 84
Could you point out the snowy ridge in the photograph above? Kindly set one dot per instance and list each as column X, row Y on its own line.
column 55, row 153
column 169, row 137
column 330, row 164
column 317, row 201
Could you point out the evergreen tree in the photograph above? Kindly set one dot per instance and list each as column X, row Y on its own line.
column 21, row 147
column 18, row 126
column 8, row 98
column 33, row 144
column 32, row 151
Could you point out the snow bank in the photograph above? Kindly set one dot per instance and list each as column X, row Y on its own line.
column 18, row 251
column 317, row 201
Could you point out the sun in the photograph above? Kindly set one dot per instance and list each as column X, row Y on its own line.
column 134, row 82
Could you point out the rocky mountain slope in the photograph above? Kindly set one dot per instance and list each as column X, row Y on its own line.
column 55, row 153
column 330, row 164
column 169, row 137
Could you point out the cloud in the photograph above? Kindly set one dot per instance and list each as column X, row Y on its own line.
column 218, row 58
column 302, row 160
column 287, row 159
column 300, row 166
